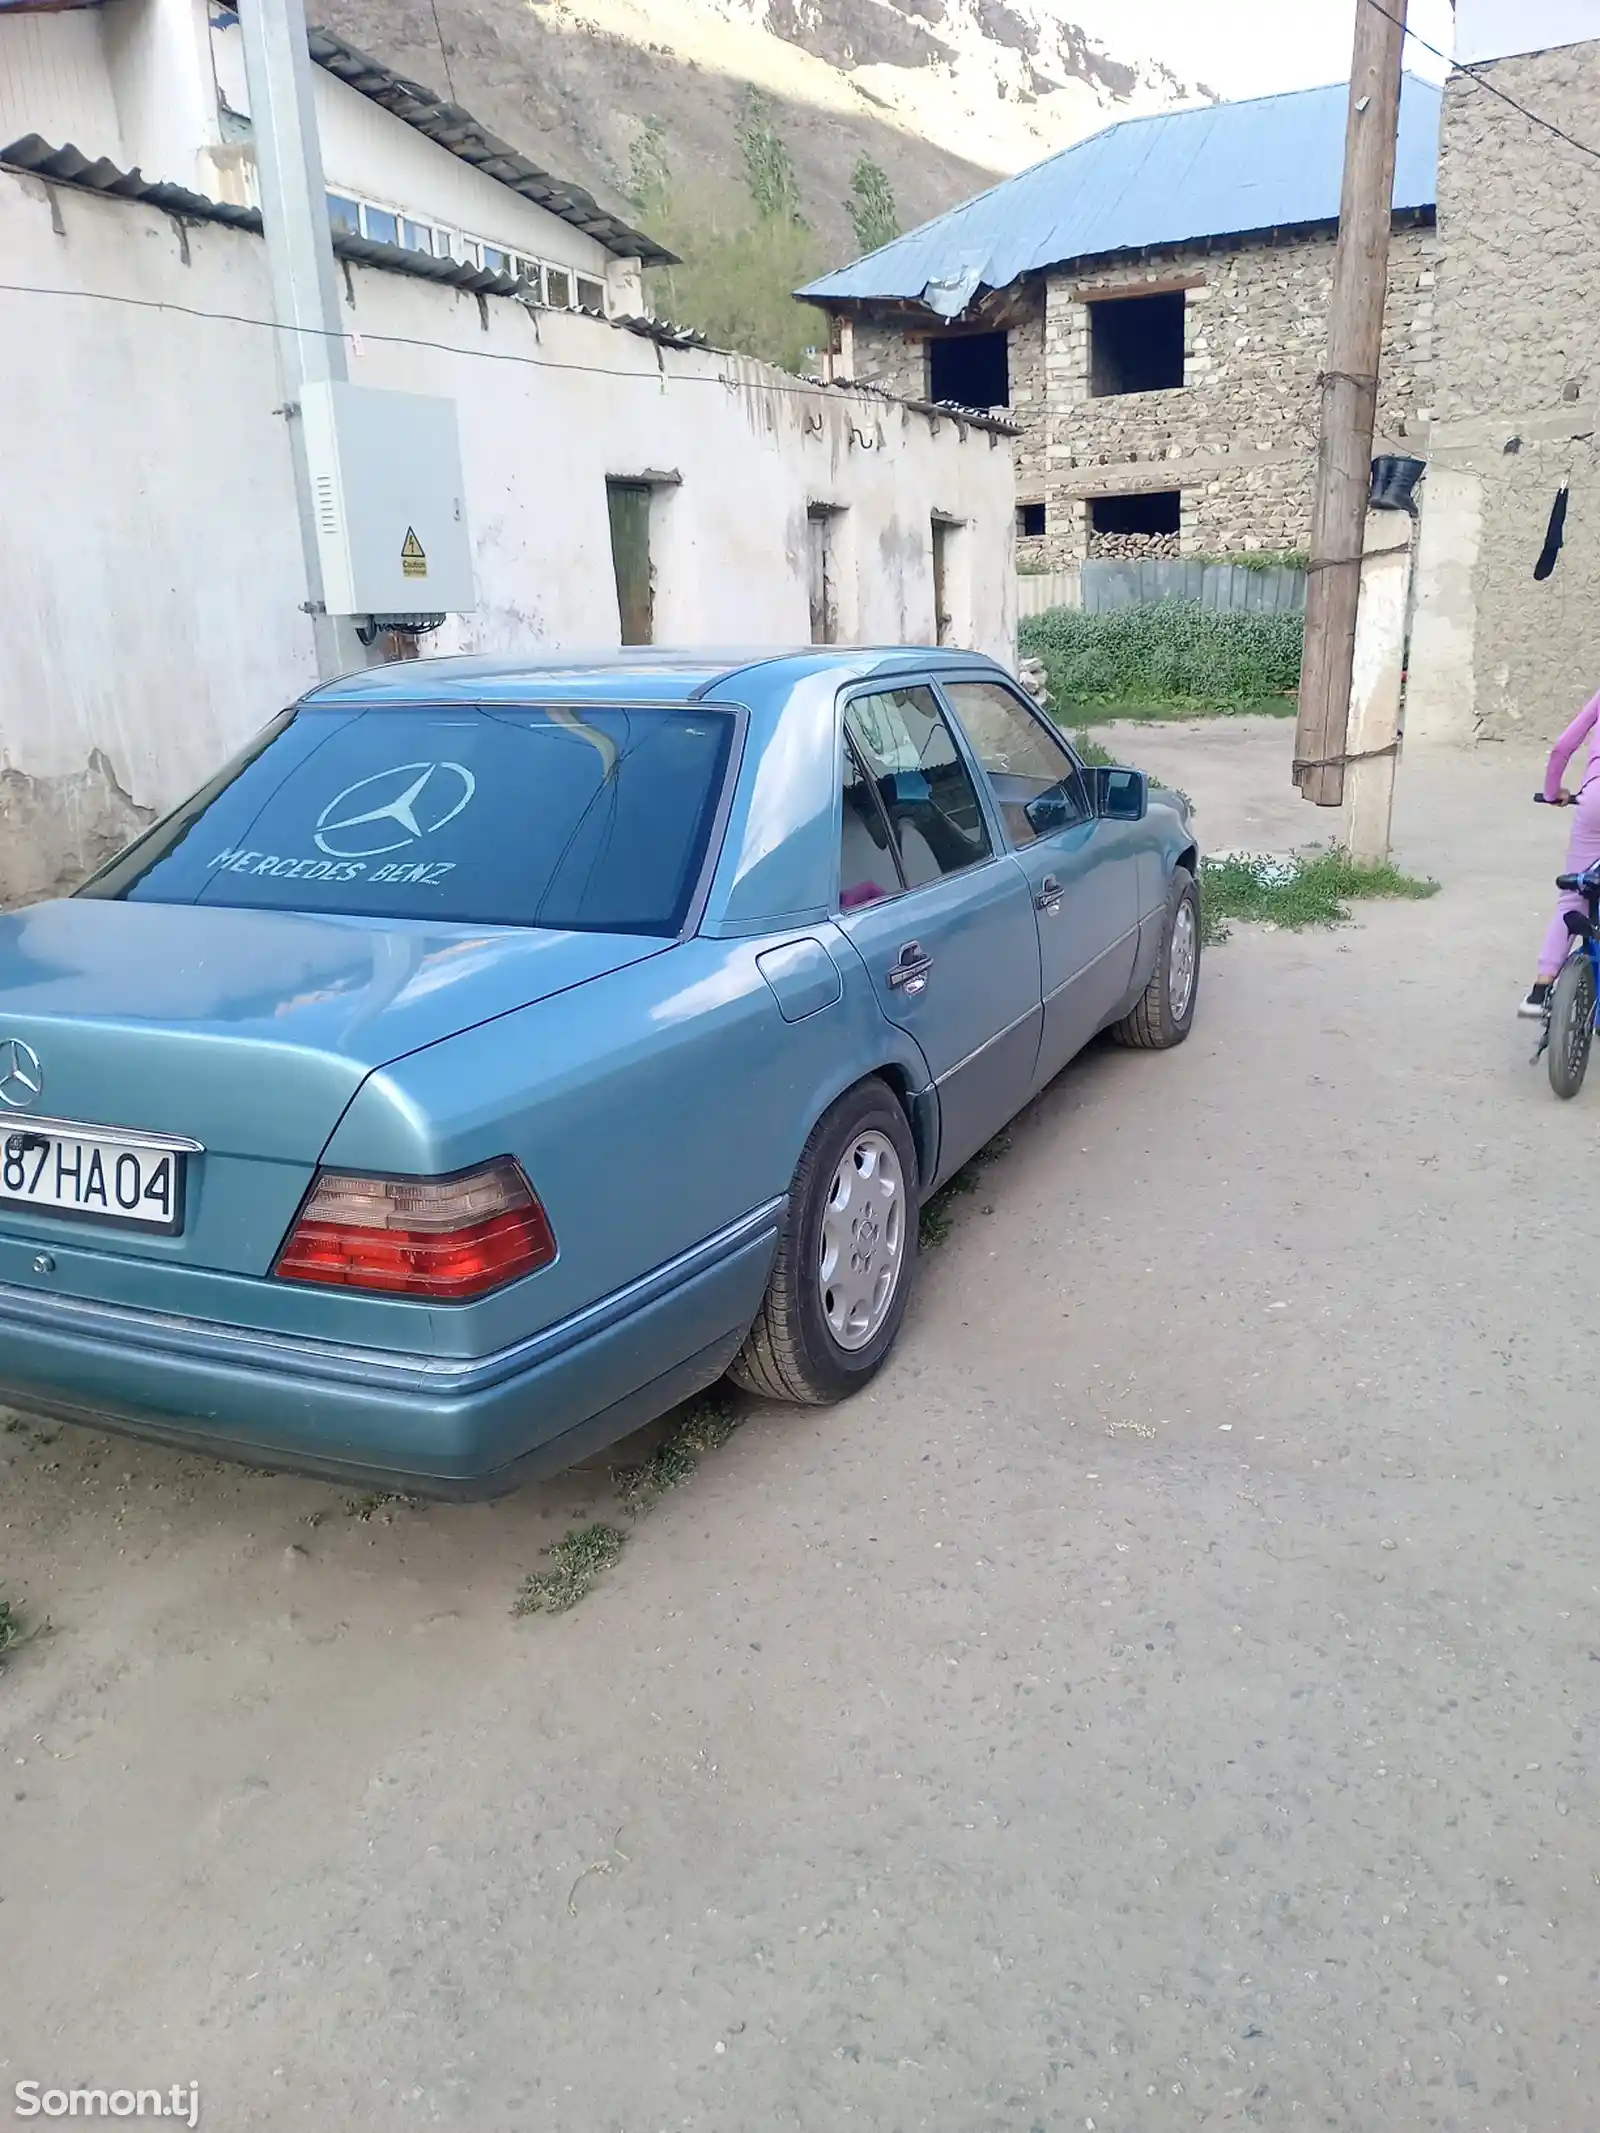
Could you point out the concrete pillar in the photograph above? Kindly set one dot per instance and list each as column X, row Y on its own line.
column 1379, row 670
column 1441, row 706
column 158, row 53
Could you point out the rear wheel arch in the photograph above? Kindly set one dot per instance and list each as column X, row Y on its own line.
column 920, row 1111
column 794, row 1351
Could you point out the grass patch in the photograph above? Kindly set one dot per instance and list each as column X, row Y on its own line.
column 16, row 1630
column 1173, row 653
column 577, row 1560
column 1315, row 891
column 20, row 1426
column 705, row 1428
column 372, row 1501
column 938, row 1213
column 585, row 1553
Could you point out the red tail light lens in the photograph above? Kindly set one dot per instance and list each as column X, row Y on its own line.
column 447, row 1238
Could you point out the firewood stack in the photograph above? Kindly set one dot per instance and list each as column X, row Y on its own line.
column 1132, row 547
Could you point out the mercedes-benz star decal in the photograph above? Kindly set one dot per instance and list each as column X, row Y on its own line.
column 392, row 809
column 21, row 1076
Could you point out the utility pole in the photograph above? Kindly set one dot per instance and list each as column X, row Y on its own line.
column 1349, row 400
column 305, row 289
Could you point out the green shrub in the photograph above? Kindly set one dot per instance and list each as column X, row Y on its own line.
column 1087, row 677
column 1171, row 651
column 1260, row 559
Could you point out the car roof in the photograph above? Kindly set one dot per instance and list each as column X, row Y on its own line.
column 634, row 674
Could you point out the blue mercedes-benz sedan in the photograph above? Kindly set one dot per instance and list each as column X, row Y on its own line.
column 497, row 1052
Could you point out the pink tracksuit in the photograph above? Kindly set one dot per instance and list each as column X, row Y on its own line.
column 1584, row 847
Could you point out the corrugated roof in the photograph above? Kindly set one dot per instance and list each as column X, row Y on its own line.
column 100, row 175
column 70, row 166
column 450, row 128
column 464, row 136
column 1224, row 170
column 976, row 418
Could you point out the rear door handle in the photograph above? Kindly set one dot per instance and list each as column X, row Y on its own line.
column 910, row 974
column 1049, row 896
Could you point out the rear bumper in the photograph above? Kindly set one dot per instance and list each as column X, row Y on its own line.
column 424, row 1424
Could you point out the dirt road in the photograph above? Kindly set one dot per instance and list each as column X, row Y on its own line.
column 1169, row 1701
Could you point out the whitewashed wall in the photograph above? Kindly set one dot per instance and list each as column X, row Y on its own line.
column 158, row 54
column 138, row 81
column 149, row 545
column 55, row 81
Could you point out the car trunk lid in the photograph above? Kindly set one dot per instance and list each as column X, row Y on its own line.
column 249, row 1032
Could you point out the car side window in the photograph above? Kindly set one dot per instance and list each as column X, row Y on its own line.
column 924, row 788
column 868, row 871
column 1037, row 782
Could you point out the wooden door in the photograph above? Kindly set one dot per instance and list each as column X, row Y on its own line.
column 629, row 505
column 819, row 538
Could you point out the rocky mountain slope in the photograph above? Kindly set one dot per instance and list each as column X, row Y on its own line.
column 942, row 94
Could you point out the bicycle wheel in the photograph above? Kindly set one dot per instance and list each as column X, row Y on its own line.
column 1571, row 1025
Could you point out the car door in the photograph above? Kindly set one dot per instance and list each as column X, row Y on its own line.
column 939, row 913
column 1082, row 870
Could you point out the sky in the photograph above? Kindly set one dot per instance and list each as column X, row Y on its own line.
column 1252, row 47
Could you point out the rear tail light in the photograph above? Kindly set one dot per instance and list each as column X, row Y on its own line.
column 448, row 1238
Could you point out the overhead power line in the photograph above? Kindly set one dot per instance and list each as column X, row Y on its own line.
column 444, row 55
column 798, row 388
column 1471, row 74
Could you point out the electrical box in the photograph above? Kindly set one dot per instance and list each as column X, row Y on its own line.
column 389, row 501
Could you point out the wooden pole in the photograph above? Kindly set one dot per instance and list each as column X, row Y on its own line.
column 1349, row 400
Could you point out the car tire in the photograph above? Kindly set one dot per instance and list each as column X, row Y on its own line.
column 853, row 1210
column 1164, row 1014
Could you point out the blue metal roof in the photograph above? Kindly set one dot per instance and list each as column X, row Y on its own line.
column 1223, row 170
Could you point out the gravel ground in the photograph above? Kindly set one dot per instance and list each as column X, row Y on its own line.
column 1167, row 1701
column 1236, row 771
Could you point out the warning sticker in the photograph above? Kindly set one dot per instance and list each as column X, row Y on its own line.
column 413, row 557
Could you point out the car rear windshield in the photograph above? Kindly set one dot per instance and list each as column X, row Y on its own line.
column 594, row 819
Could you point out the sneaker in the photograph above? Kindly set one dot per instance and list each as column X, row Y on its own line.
column 1533, row 1007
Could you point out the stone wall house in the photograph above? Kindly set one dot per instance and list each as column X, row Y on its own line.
column 1160, row 347
column 1497, row 650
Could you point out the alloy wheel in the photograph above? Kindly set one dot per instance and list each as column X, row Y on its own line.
column 863, row 1246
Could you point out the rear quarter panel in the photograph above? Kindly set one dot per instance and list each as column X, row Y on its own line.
column 650, row 1110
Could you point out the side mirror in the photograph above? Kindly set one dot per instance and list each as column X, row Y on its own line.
column 1121, row 795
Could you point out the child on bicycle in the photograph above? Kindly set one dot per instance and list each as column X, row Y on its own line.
column 1583, row 848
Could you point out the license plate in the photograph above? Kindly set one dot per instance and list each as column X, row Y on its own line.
column 96, row 1178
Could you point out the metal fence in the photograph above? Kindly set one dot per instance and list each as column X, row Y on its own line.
column 1098, row 586
column 1037, row 593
